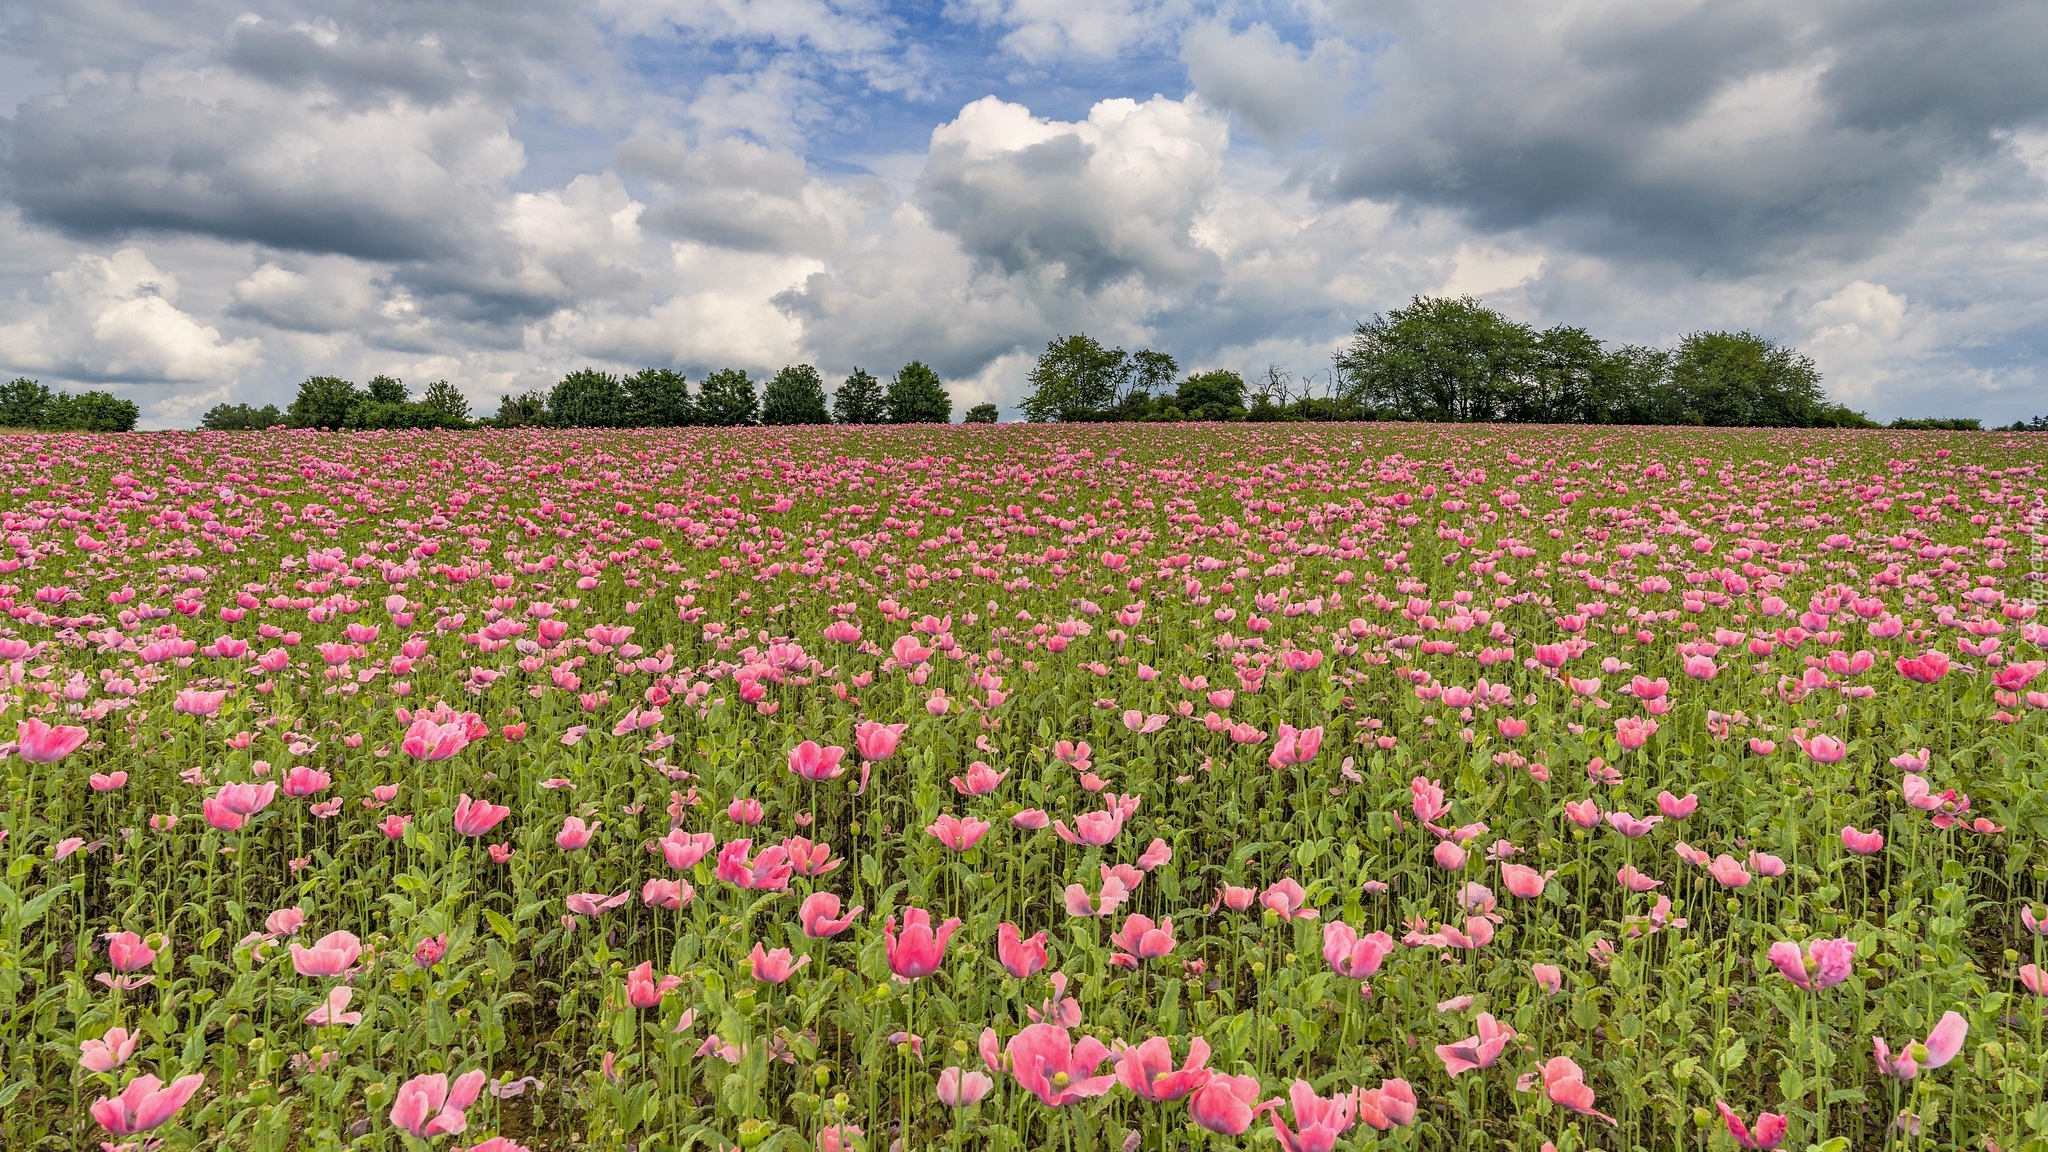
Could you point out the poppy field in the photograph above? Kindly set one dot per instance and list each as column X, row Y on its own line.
column 1025, row 787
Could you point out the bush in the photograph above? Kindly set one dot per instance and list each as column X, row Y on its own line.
column 981, row 414
column 1939, row 424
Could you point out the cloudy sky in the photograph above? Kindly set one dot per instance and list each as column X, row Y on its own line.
column 207, row 201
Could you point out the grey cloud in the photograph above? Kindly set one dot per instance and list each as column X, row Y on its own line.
column 1729, row 136
column 391, row 183
column 737, row 194
column 302, row 57
column 1094, row 201
column 1969, row 68
column 1279, row 90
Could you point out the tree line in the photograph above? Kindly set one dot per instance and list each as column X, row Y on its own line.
column 589, row 398
column 1456, row 360
column 331, row 402
column 728, row 398
column 1440, row 359
column 27, row 404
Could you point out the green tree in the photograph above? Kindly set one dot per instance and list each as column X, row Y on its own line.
column 587, row 398
column 24, row 403
column 658, row 398
column 727, row 399
column 447, row 403
column 91, row 412
column 526, row 410
column 1214, row 395
column 981, row 414
column 1739, row 379
column 240, row 417
column 859, row 400
column 1076, row 378
column 1632, row 386
column 387, row 390
column 917, row 397
column 1151, row 372
column 1439, row 359
column 795, row 396
column 323, row 402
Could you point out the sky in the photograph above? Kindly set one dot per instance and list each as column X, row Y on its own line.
column 207, row 202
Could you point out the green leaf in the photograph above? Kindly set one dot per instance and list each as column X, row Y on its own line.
column 1733, row 1056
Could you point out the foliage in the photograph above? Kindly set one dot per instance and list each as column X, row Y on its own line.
column 1214, row 395
column 27, row 404
column 447, row 402
column 1076, row 378
column 1442, row 359
column 524, row 410
column 859, row 400
column 323, row 402
column 1740, row 380
column 90, row 411
column 1942, row 424
column 240, row 417
column 388, row 390
column 981, row 414
column 795, row 396
column 658, row 398
column 727, row 399
column 916, row 396
column 588, row 398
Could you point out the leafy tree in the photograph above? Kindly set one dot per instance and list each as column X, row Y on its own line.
column 859, row 400
column 1212, row 395
column 795, row 396
column 447, row 402
column 1439, row 359
column 1151, row 372
column 526, row 410
column 23, row 403
column 587, row 398
column 388, row 390
column 1076, row 378
column 981, row 414
column 916, row 396
column 1738, row 379
column 658, row 398
column 727, row 399
column 1631, row 386
column 91, row 412
column 240, row 417
column 1565, row 367
column 323, row 402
